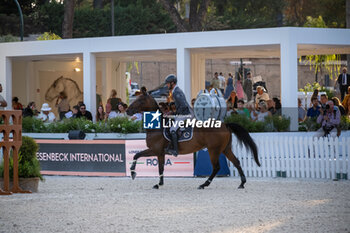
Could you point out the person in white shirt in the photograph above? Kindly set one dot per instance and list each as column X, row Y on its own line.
column 261, row 95
column 222, row 82
column 3, row 102
column 45, row 115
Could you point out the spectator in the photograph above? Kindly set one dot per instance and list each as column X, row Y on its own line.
column 216, row 82
column 192, row 102
column 229, row 86
column 222, row 82
column 84, row 113
column 122, row 110
column 253, row 112
column 46, row 115
column 314, row 111
column 263, row 112
column 301, row 111
column 278, row 106
column 15, row 104
column 30, row 110
column 232, row 101
column 261, row 95
column 241, row 109
column 329, row 120
column 248, row 87
column 63, row 105
column 337, row 103
column 324, row 100
column 100, row 115
column 346, row 102
column 344, row 83
column 3, row 102
column 74, row 113
column 114, row 100
column 110, row 114
column 271, row 106
column 239, row 88
column 98, row 100
column 314, row 94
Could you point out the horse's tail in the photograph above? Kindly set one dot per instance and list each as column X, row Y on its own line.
column 243, row 136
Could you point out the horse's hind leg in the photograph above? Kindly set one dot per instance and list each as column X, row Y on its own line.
column 145, row 153
column 161, row 160
column 229, row 154
column 214, row 158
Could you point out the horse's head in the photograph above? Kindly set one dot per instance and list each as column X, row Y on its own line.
column 143, row 103
column 55, row 89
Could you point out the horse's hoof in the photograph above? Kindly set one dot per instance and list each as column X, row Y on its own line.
column 156, row 186
column 241, row 186
column 133, row 175
column 200, row 187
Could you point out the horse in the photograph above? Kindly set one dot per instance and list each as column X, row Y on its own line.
column 67, row 85
column 216, row 140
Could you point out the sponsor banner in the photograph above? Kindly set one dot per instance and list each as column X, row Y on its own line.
column 181, row 165
column 82, row 157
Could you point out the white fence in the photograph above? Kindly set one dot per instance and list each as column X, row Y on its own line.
column 296, row 156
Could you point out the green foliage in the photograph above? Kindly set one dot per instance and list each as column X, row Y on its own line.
column 309, row 124
column 271, row 123
column 49, row 36
column 331, row 62
column 115, row 125
column 8, row 38
column 316, row 86
column 345, row 123
column 28, row 164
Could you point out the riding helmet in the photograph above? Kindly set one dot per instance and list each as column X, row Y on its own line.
column 171, row 78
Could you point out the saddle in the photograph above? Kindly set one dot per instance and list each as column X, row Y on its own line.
column 183, row 134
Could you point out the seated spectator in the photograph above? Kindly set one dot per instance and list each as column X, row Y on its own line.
column 314, row 95
column 136, row 117
column 84, row 113
column 110, row 114
column 337, row 103
column 271, row 107
column 122, row 110
column 278, row 106
column 253, row 113
column 30, row 110
column 241, row 109
column 314, row 111
column 114, row 100
column 74, row 113
column 261, row 95
column 100, row 115
column 329, row 120
column 346, row 102
column 324, row 100
column 263, row 112
column 16, row 105
column 46, row 115
column 232, row 101
column 301, row 111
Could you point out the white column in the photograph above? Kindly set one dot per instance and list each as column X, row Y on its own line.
column 89, row 79
column 289, row 80
column 183, row 70
column 6, row 80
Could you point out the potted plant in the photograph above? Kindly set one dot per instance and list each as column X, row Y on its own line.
column 28, row 165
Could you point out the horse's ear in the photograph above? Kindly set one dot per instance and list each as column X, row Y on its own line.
column 144, row 91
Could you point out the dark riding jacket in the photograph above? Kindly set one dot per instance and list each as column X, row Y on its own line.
column 182, row 107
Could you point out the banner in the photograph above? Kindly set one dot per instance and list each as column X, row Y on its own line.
column 82, row 157
column 182, row 165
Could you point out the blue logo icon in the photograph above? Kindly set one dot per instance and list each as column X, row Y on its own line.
column 151, row 120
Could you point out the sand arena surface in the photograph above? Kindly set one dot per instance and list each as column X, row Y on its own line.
column 83, row 204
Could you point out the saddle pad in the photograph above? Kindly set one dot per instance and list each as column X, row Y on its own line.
column 183, row 134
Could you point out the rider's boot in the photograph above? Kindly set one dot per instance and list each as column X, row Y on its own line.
column 173, row 149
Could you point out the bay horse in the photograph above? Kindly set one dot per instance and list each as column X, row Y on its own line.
column 216, row 140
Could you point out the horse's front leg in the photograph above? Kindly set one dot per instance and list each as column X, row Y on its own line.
column 161, row 160
column 145, row 153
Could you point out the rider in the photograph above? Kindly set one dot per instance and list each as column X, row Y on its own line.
column 183, row 110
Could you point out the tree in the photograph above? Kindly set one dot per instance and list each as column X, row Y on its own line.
column 198, row 12
column 67, row 25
